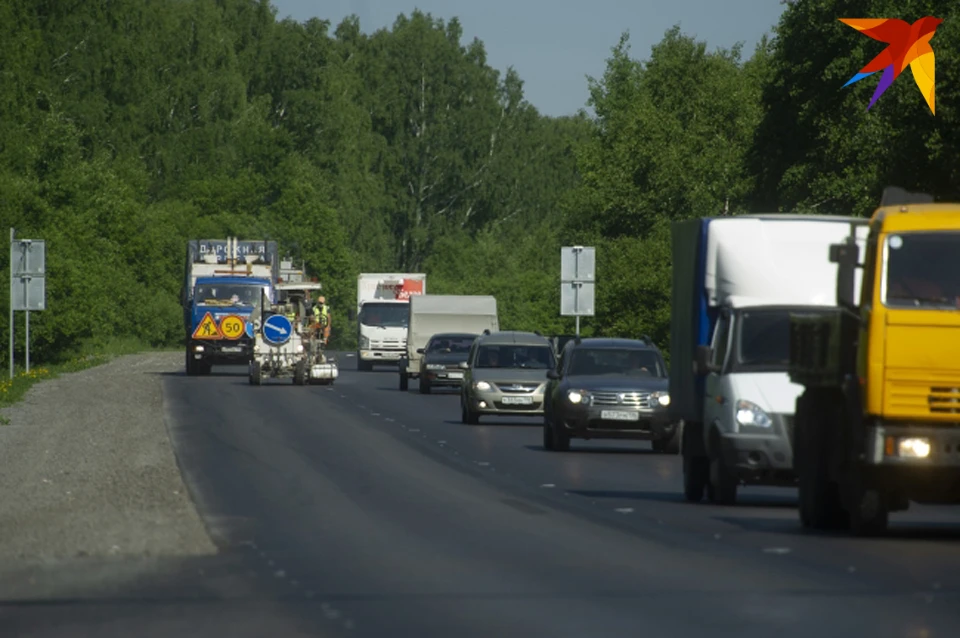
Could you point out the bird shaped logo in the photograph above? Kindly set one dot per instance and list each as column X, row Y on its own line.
column 908, row 45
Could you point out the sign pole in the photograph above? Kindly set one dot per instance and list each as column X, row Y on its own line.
column 12, row 238
column 26, row 297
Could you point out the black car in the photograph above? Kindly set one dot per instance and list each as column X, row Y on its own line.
column 609, row 389
column 440, row 364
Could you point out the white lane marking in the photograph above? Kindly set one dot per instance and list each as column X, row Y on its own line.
column 717, row 536
column 386, row 418
column 271, row 563
column 776, row 550
column 280, row 573
column 414, row 429
column 548, row 485
column 349, row 355
column 374, row 414
column 483, row 463
column 624, row 510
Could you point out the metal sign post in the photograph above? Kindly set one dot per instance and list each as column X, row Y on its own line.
column 577, row 274
column 27, row 285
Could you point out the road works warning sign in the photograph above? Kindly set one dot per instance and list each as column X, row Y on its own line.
column 207, row 329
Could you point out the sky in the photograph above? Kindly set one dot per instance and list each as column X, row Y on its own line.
column 555, row 44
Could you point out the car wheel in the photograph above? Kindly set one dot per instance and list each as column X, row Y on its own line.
column 548, row 443
column 696, row 474
column 722, row 488
column 404, row 382
column 424, row 385
column 561, row 439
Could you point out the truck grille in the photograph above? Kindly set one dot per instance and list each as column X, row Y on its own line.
column 639, row 400
column 387, row 344
column 944, row 400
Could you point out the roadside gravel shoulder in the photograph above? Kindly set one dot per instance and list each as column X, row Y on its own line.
column 87, row 469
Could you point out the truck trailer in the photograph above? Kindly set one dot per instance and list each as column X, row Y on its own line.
column 736, row 283
column 435, row 314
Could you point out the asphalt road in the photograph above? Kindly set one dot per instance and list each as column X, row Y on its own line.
column 359, row 510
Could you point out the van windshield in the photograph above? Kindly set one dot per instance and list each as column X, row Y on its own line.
column 923, row 270
column 385, row 315
column 228, row 294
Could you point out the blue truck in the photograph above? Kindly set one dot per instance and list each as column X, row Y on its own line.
column 226, row 283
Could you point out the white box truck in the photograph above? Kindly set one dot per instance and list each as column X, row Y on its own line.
column 736, row 283
column 383, row 315
column 453, row 316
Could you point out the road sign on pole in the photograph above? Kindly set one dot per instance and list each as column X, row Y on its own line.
column 28, row 290
column 577, row 282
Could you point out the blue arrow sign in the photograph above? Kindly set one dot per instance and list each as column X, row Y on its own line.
column 277, row 330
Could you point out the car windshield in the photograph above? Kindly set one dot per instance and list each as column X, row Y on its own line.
column 511, row 356
column 923, row 270
column 228, row 294
column 385, row 315
column 451, row 344
column 628, row 362
column 764, row 339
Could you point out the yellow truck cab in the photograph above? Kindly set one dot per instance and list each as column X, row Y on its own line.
column 878, row 422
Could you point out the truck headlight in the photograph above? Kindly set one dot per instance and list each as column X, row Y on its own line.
column 579, row 397
column 915, row 448
column 662, row 398
column 364, row 342
column 198, row 348
column 751, row 415
column 481, row 385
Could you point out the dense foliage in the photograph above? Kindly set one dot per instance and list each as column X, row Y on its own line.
column 127, row 127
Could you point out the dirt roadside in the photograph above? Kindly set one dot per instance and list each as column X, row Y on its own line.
column 87, row 470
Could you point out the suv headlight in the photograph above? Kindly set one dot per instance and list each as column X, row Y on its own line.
column 661, row 398
column 364, row 342
column 578, row 397
column 481, row 385
column 751, row 415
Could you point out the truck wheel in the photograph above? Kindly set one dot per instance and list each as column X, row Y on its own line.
column 424, row 385
column 869, row 514
column 819, row 497
column 255, row 373
column 696, row 465
column 404, row 382
column 723, row 483
column 190, row 365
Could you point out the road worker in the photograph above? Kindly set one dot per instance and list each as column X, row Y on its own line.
column 321, row 316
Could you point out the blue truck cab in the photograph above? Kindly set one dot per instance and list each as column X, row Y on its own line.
column 226, row 284
column 223, row 321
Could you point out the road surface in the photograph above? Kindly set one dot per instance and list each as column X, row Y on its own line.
column 359, row 510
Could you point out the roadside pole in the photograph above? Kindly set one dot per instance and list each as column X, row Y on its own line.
column 27, row 286
column 577, row 282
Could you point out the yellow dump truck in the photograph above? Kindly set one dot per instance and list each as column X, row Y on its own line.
column 878, row 423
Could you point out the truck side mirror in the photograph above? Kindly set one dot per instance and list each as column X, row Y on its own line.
column 847, row 258
column 701, row 362
column 420, row 350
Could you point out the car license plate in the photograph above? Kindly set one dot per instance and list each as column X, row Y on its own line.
column 619, row 415
column 232, row 349
column 517, row 400
column 454, row 375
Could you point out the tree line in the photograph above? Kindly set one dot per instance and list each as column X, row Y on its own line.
column 127, row 127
